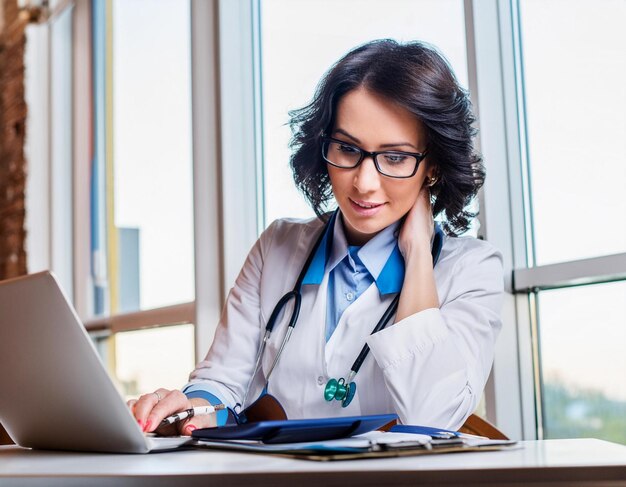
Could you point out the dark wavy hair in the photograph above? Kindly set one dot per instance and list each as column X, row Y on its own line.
column 417, row 77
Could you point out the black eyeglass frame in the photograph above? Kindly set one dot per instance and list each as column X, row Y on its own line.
column 419, row 157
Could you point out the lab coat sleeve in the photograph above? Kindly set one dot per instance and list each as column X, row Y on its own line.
column 436, row 362
column 229, row 364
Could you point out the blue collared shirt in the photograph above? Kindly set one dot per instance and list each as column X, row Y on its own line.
column 353, row 269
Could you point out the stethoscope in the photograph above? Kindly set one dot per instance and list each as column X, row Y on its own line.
column 336, row 389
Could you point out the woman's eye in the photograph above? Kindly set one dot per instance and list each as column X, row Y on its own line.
column 395, row 158
column 347, row 149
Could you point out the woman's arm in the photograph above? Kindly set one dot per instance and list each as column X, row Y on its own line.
column 435, row 362
column 437, row 356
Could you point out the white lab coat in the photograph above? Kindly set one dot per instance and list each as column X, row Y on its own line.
column 430, row 368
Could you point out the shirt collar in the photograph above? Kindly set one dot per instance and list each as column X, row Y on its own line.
column 380, row 256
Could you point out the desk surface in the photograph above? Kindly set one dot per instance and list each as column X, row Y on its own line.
column 564, row 462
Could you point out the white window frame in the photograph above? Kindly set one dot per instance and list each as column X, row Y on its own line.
column 510, row 391
column 241, row 170
column 49, row 146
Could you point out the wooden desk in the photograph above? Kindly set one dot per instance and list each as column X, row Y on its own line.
column 583, row 462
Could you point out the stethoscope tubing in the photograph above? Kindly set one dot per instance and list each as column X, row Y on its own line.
column 384, row 319
column 294, row 294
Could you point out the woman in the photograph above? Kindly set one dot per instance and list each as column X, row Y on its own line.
column 388, row 135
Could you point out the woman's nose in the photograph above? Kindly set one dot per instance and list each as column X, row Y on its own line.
column 367, row 177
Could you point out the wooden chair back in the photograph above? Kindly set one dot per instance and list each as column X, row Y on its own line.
column 5, row 439
column 475, row 425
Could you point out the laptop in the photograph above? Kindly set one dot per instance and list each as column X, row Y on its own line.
column 54, row 391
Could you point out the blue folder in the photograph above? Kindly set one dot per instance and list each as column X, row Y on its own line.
column 296, row 430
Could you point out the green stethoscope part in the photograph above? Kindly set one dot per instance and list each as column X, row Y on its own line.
column 339, row 390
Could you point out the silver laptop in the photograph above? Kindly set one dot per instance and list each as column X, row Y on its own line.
column 54, row 391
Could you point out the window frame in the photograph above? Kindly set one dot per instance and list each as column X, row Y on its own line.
column 204, row 311
column 510, row 391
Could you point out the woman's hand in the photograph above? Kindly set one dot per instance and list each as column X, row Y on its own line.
column 417, row 230
column 419, row 291
column 151, row 409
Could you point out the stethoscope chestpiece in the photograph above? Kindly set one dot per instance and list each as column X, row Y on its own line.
column 349, row 395
column 340, row 391
column 331, row 389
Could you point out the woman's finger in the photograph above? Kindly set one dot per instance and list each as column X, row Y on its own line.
column 197, row 422
column 145, row 404
column 172, row 402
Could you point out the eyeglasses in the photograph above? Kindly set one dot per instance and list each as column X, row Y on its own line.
column 394, row 164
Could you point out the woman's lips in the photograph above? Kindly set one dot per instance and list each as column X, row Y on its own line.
column 365, row 208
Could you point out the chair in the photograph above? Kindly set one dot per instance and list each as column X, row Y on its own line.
column 5, row 439
column 475, row 425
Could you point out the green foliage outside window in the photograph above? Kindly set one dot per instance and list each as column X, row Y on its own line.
column 576, row 413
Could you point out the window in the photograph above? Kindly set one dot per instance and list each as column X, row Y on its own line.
column 572, row 106
column 142, row 194
column 148, row 359
column 581, row 340
column 574, row 67
column 151, row 138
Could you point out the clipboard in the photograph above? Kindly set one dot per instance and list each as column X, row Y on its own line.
column 296, row 430
column 373, row 444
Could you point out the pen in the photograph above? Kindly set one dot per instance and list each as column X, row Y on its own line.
column 191, row 412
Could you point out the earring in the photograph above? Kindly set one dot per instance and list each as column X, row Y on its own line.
column 432, row 181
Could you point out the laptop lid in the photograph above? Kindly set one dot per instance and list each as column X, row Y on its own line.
column 54, row 391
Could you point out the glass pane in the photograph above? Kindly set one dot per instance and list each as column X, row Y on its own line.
column 582, row 340
column 152, row 153
column 310, row 47
column 574, row 71
column 151, row 358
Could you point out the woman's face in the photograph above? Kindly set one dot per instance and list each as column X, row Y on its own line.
column 368, row 200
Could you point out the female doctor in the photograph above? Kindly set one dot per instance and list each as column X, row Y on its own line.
column 389, row 136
